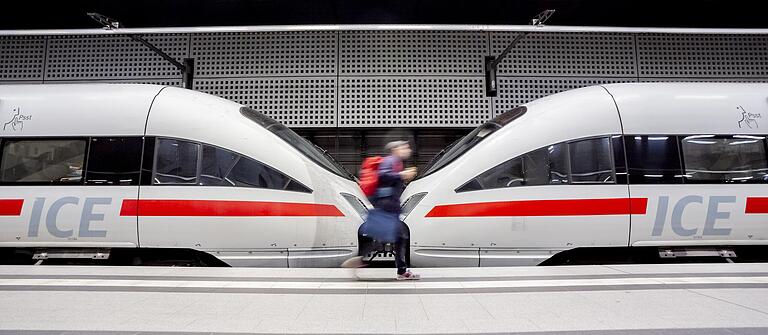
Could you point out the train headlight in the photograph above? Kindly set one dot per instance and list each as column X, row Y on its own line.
column 357, row 204
column 411, row 203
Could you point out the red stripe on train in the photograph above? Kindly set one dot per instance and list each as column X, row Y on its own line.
column 756, row 205
column 133, row 207
column 11, row 207
column 567, row 207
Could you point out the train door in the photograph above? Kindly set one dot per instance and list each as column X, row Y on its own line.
column 67, row 192
column 701, row 189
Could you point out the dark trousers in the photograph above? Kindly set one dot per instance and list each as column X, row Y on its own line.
column 402, row 248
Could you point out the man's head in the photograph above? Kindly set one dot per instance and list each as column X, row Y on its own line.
column 400, row 149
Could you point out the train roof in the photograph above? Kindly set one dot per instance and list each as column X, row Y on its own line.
column 659, row 108
column 690, row 108
column 76, row 109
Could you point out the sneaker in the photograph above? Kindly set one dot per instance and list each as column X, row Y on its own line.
column 354, row 262
column 408, row 275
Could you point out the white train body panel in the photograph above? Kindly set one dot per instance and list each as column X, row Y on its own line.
column 487, row 226
column 695, row 109
column 241, row 225
column 695, row 203
column 540, row 126
column 689, row 108
column 77, row 110
column 54, row 217
column 528, row 224
column 59, row 111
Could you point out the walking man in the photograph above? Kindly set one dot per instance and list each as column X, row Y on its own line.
column 392, row 177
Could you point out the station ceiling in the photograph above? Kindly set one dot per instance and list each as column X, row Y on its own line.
column 70, row 14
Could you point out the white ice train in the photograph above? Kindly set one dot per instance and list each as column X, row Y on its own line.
column 134, row 170
column 603, row 171
column 142, row 173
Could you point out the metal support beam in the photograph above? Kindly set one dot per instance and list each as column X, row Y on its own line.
column 188, row 74
column 491, row 64
column 161, row 53
column 187, row 68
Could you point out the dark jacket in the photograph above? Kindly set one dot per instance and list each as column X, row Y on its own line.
column 390, row 186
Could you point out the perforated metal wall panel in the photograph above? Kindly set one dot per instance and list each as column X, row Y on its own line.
column 21, row 82
column 567, row 54
column 163, row 82
column 412, row 52
column 412, row 102
column 515, row 91
column 374, row 84
column 297, row 102
column 362, row 78
column 265, row 54
column 691, row 56
column 21, row 58
column 704, row 80
column 112, row 57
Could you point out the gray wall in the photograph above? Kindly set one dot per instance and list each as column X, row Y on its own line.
column 348, row 91
column 364, row 79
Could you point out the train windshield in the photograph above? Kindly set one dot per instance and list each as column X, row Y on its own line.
column 465, row 143
column 311, row 151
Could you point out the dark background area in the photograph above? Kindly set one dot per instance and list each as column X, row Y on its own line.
column 69, row 14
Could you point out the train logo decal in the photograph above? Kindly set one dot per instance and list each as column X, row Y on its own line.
column 89, row 214
column 748, row 120
column 17, row 120
column 713, row 209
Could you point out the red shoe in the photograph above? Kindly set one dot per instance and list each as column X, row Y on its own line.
column 408, row 275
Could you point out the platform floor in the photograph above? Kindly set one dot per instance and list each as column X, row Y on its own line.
column 604, row 300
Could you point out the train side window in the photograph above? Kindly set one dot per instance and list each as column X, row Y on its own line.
column 147, row 161
column 653, row 160
column 216, row 165
column 591, row 161
column 619, row 159
column 250, row 173
column 225, row 168
column 507, row 174
column 558, row 164
column 43, row 161
column 546, row 166
column 711, row 159
column 536, row 167
column 114, row 161
column 176, row 162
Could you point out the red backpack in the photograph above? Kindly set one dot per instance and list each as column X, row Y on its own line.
column 369, row 175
